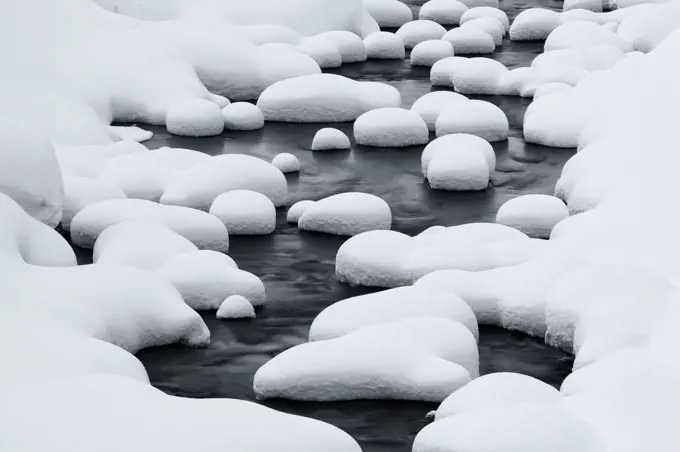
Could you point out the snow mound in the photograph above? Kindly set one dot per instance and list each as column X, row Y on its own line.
column 553, row 121
column 418, row 31
column 390, row 127
column 475, row 117
column 195, row 118
column 464, row 169
column 385, row 46
column 297, row 209
column 486, row 11
column 286, row 162
column 535, row 215
column 583, row 34
column 489, row 24
column 440, row 74
column 242, row 116
column 453, row 142
column 479, row 3
column 218, row 100
column 133, row 133
column 595, row 58
column 420, row 358
column 388, row 13
column 203, row 230
column 323, row 51
column 534, row 24
column 497, row 389
column 236, row 307
column 80, row 192
column 329, row 139
column 321, row 98
column 346, row 214
column 590, row 5
column 427, row 53
column 477, row 76
column 445, row 12
column 430, row 105
column 550, row 88
column 198, row 186
column 470, row 41
column 351, row 47
column 245, row 212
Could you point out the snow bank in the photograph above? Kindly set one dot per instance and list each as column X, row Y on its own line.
column 470, row 41
column 245, row 212
column 430, row 105
column 486, row 11
column 475, row 117
column 346, row 214
column 389, row 13
column 390, row 127
column 417, row 31
column 583, row 34
column 445, row 12
column 329, row 139
column 534, row 24
column 242, row 116
column 535, row 215
column 384, row 46
column 453, row 142
column 464, row 169
column 236, row 307
column 297, row 209
column 286, row 162
column 477, row 76
column 194, row 118
column 427, row 53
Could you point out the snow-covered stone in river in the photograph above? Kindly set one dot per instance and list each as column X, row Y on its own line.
column 384, row 46
column 534, row 24
column 476, row 117
column 590, row 5
column 198, row 186
column 489, row 24
column 330, row 139
column 242, row 116
column 594, row 58
column 323, row 51
column 390, row 127
column 236, row 307
column 80, row 192
column 420, row 358
column 245, row 212
column 454, row 142
column 584, row 34
column 388, row 13
column 470, row 41
column 430, row 106
column 418, row 31
column 440, row 74
column 477, row 75
column 486, row 11
column 297, row 209
column 286, row 162
column 463, row 169
column 427, row 53
column 347, row 214
column 352, row 49
column 554, row 120
column 195, row 118
column 535, row 215
column 445, row 12
column 496, row 389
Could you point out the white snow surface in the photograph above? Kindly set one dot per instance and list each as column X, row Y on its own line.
column 236, row 307
column 346, row 214
column 297, row 209
column 80, row 192
column 427, row 53
column 430, row 105
column 464, row 169
column 417, row 31
column 286, row 162
column 242, row 116
column 445, row 12
column 384, row 46
column 535, row 215
column 245, row 212
column 486, row 11
column 455, row 141
column 390, row 127
column 389, row 13
column 470, row 41
column 474, row 117
column 194, row 118
column 351, row 46
column 330, row 139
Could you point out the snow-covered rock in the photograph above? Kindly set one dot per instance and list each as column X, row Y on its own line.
column 440, row 74
column 549, row 88
column 346, row 214
column 583, row 34
column 323, row 51
column 477, row 76
column 427, row 53
column 390, row 127
column 329, row 139
column 553, row 121
column 475, row 117
column 134, row 133
column 286, row 162
column 242, row 116
column 389, row 13
column 195, row 118
column 430, row 106
column 486, row 11
column 297, row 209
column 463, row 169
column 470, row 41
column 384, row 46
column 454, row 142
column 489, row 24
column 534, row 24
column 351, row 47
column 417, row 31
column 445, row 12
column 245, row 212
column 590, row 5
column 535, row 215
column 236, row 307
column 80, row 192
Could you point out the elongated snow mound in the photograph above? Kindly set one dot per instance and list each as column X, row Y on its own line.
column 384, row 46
column 486, row 11
column 475, row 117
column 444, row 12
column 242, row 116
column 236, row 307
column 427, row 53
column 245, row 212
column 535, row 215
column 470, row 41
column 195, row 118
column 430, row 106
column 346, row 214
column 297, row 209
column 388, row 13
column 329, row 139
column 390, row 127
column 417, row 31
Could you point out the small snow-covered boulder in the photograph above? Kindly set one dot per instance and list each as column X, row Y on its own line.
column 470, row 41
column 489, row 24
column 236, row 307
column 195, row 118
column 388, row 13
column 453, row 142
column 329, row 139
column 463, row 169
column 351, row 46
column 445, row 12
column 590, row 5
column 427, row 53
column 476, row 117
column 418, row 31
column 286, row 162
column 478, row 76
column 534, row 24
column 430, row 106
column 535, row 215
column 245, row 212
column 297, row 209
column 347, row 214
column 486, row 11
column 384, row 46
column 242, row 116
column 390, row 127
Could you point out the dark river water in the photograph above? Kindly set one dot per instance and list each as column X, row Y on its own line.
column 298, row 267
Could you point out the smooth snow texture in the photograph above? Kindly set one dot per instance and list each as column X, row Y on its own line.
column 80, row 192
column 322, row 98
column 194, row 118
column 133, row 133
column 590, row 5
column 535, row 215
column 464, row 169
column 198, row 186
column 346, row 214
column 384, row 46
column 549, row 88
column 242, row 116
column 286, row 162
column 440, row 74
column 297, row 209
column 430, row 105
column 421, row 358
column 445, row 12
column 583, row 34
column 534, row 24
column 323, row 51
column 389, row 13
column 351, row 47
column 477, row 76
column 486, row 11
column 470, row 41
column 418, row 31
column 329, row 139
column 245, row 212
column 489, row 24
column 236, row 307
column 427, row 53
column 475, row 117
column 354, row 313
column 453, row 142
column 390, row 127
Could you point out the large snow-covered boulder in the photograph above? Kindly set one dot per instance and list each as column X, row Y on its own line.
column 470, row 41
column 195, row 118
column 475, row 117
column 390, row 127
column 427, row 53
column 417, row 31
column 535, row 215
column 463, row 169
column 329, row 139
column 245, row 212
column 534, row 24
column 486, row 11
column 389, row 13
column 442, row 70
column 445, row 12
column 346, row 214
column 242, row 116
column 384, row 46
column 454, row 142
column 430, row 106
